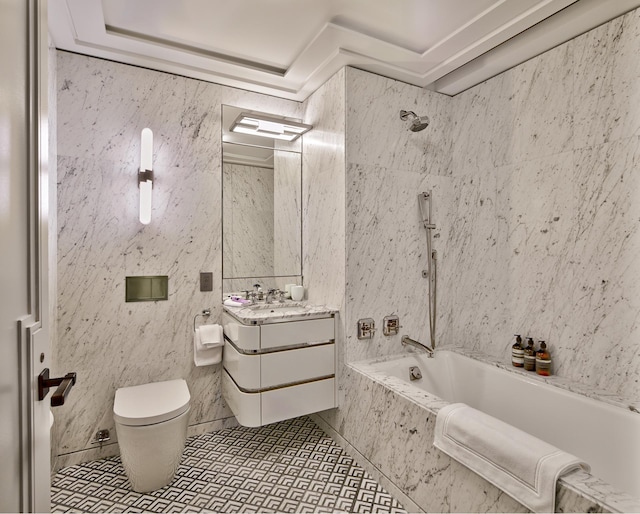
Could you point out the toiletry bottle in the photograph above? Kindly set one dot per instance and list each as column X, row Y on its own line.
column 543, row 360
column 517, row 353
column 530, row 356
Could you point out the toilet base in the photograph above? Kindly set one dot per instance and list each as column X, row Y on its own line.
column 151, row 454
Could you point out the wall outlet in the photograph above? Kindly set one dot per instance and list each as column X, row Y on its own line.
column 206, row 281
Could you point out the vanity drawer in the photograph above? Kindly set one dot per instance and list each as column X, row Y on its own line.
column 294, row 401
column 297, row 365
column 297, row 332
column 245, row 337
column 245, row 369
column 245, row 406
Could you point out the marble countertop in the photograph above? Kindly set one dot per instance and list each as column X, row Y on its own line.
column 262, row 313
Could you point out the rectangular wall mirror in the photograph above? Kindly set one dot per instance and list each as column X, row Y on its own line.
column 261, row 209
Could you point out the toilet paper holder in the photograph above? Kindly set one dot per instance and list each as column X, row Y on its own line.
column 205, row 313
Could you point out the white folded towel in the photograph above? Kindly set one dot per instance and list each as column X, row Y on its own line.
column 208, row 342
column 232, row 303
column 523, row 466
column 211, row 335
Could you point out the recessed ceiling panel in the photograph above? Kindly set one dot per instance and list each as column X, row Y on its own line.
column 288, row 48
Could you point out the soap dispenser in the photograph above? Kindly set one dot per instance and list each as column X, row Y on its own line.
column 517, row 353
column 543, row 360
column 530, row 356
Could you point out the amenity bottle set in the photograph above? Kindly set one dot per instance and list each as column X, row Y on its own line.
column 529, row 359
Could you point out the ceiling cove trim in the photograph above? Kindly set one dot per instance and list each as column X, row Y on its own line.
column 208, row 54
column 331, row 48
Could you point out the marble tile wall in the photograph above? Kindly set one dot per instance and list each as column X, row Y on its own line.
column 324, row 201
column 550, row 148
column 102, row 107
column 323, row 193
column 248, row 221
column 387, row 166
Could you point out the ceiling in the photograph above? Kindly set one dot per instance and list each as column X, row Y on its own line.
column 288, row 48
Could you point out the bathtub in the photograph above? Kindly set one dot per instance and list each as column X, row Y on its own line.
column 606, row 436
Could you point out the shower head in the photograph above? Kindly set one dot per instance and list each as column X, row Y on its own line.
column 418, row 123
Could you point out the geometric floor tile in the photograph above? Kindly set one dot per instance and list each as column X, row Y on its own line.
column 291, row 466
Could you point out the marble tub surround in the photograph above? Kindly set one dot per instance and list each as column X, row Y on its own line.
column 578, row 491
column 102, row 107
column 536, row 234
column 261, row 313
column 387, row 166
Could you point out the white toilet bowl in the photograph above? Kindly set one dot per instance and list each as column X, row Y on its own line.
column 151, row 423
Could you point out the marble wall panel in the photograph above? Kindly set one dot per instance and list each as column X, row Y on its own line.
column 524, row 113
column 476, row 284
column 607, row 82
column 481, row 125
column 102, row 107
column 387, row 252
column 377, row 136
column 557, row 109
column 323, row 183
column 602, row 348
column 324, row 204
column 387, row 166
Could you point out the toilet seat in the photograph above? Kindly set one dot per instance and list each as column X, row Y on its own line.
column 149, row 404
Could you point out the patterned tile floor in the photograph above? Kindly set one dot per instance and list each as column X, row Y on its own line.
column 292, row 466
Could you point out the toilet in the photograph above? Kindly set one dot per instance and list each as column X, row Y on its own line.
column 151, row 424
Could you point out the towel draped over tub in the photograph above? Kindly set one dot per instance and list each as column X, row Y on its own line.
column 523, row 466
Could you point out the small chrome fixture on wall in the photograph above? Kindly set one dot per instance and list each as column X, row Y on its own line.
column 265, row 126
column 366, row 328
column 145, row 175
column 391, row 325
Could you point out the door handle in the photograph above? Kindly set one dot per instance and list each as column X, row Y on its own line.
column 63, row 384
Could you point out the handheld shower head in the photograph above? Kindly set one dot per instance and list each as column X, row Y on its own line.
column 418, row 123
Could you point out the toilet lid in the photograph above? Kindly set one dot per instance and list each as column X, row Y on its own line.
column 148, row 404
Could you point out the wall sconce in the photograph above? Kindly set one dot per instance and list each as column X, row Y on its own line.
column 266, row 126
column 145, row 175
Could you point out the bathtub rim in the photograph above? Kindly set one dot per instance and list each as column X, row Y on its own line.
column 577, row 481
column 619, row 401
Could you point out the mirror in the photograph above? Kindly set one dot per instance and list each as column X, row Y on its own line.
column 261, row 208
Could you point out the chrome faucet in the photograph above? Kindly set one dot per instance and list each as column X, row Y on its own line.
column 271, row 294
column 406, row 340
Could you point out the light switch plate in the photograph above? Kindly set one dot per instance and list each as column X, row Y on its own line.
column 206, row 281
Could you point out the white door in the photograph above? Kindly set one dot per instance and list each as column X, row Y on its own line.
column 24, row 324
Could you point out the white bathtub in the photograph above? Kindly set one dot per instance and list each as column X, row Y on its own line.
column 605, row 436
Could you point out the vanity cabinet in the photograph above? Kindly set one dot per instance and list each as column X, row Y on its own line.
column 279, row 370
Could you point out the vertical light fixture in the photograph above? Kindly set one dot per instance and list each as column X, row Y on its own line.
column 145, row 175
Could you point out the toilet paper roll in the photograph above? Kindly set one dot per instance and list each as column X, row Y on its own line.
column 297, row 293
